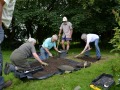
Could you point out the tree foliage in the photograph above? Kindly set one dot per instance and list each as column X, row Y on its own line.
column 115, row 41
column 42, row 18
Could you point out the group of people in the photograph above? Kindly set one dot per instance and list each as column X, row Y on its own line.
column 19, row 56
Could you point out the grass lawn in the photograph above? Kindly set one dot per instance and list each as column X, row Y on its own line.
column 69, row 81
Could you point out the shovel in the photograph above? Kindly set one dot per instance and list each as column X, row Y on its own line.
column 81, row 54
column 58, row 42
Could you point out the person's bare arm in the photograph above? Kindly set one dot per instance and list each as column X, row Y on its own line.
column 56, row 49
column 71, row 32
column 50, row 54
column 85, row 48
column 2, row 2
column 60, row 31
column 37, row 58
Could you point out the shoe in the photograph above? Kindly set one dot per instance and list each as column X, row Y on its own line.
column 98, row 58
column 7, row 68
column 7, row 84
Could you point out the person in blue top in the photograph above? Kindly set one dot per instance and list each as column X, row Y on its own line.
column 47, row 45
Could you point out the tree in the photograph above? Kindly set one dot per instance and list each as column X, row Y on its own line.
column 115, row 41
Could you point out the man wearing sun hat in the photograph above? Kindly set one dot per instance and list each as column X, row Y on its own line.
column 67, row 29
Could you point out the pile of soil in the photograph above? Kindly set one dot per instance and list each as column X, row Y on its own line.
column 89, row 59
column 52, row 68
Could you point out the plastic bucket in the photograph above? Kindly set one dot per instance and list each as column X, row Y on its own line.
column 63, row 54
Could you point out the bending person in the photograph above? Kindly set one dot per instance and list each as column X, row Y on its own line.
column 47, row 45
column 19, row 57
column 88, row 38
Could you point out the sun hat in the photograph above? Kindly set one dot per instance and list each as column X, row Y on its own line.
column 64, row 19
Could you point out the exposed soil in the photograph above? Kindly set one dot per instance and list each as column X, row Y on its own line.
column 52, row 68
column 89, row 59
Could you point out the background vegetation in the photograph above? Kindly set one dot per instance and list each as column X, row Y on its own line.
column 42, row 18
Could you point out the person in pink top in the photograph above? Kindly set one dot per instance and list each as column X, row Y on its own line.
column 66, row 28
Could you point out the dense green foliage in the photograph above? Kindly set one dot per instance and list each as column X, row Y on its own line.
column 42, row 18
column 115, row 41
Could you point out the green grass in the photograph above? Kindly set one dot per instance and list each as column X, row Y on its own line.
column 69, row 81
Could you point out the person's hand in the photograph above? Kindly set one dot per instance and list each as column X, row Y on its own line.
column 50, row 55
column 45, row 64
column 88, row 49
column 59, row 52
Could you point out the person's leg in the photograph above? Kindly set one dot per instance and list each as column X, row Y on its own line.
column 47, row 55
column 1, row 82
column 18, row 60
column 97, row 49
column 1, row 61
column 43, row 54
column 63, row 46
column 1, row 58
column 9, row 68
column 68, row 45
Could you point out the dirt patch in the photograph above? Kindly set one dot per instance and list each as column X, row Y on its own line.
column 52, row 68
column 89, row 59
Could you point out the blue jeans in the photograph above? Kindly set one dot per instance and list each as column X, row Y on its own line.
column 1, row 40
column 1, row 82
column 43, row 54
column 1, row 58
column 97, row 49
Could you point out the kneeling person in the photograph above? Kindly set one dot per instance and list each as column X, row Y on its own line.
column 47, row 45
column 19, row 56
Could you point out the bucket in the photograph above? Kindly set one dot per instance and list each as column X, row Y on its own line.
column 63, row 54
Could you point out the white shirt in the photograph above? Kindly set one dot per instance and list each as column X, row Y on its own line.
column 92, row 37
column 8, row 12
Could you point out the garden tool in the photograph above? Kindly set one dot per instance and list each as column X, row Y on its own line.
column 78, row 55
column 84, row 52
column 94, row 87
column 58, row 42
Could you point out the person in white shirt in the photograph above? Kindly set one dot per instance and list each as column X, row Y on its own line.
column 6, row 12
column 88, row 38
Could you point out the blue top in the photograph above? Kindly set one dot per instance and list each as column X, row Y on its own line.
column 48, row 43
